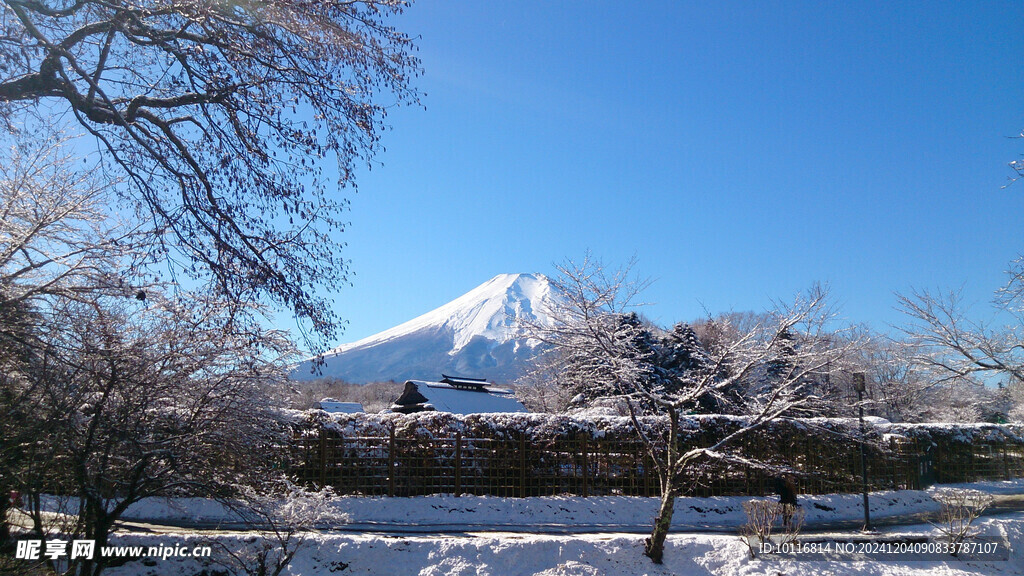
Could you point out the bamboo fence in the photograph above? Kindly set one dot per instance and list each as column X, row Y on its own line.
column 517, row 465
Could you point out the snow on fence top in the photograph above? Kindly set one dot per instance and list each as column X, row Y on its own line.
column 539, row 426
column 961, row 433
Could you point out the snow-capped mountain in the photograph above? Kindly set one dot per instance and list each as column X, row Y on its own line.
column 479, row 334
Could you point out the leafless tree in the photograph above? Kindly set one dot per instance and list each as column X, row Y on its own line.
column 543, row 387
column 57, row 234
column 374, row 396
column 772, row 362
column 1017, row 166
column 960, row 352
column 763, row 515
column 110, row 394
column 147, row 399
column 219, row 115
column 897, row 389
column 58, row 244
column 955, row 347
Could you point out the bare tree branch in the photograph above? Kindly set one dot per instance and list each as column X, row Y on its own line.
column 221, row 115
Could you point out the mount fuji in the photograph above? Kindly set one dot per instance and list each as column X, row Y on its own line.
column 478, row 334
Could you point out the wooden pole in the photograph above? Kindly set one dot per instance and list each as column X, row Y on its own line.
column 1006, row 464
column 585, row 467
column 391, row 462
column 522, row 465
column 323, row 458
column 458, row 463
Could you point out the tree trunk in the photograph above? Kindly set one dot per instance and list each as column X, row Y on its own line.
column 654, row 546
column 5, row 529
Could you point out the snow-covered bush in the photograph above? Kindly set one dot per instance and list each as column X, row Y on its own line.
column 282, row 514
column 762, row 517
column 960, row 508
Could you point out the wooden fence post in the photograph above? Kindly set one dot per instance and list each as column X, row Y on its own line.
column 891, row 457
column 924, row 464
column 323, row 457
column 458, row 463
column 1006, row 464
column 649, row 465
column 522, row 465
column 585, row 467
column 391, row 462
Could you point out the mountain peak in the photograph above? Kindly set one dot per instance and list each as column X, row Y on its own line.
column 479, row 333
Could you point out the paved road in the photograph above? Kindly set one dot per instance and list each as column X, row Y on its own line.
column 1003, row 504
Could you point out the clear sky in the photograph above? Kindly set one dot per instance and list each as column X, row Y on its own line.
column 740, row 150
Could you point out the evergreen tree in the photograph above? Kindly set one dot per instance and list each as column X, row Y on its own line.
column 782, row 363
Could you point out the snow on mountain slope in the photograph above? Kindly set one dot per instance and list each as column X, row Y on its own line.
column 478, row 334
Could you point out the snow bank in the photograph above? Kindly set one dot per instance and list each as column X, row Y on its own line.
column 545, row 555
column 564, row 513
column 607, row 551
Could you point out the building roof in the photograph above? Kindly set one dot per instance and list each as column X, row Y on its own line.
column 471, row 397
column 463, row 383
column 335, row 407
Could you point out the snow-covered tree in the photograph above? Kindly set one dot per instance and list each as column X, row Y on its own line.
column 111, row 391
column 1015, row 404
column 683, row 350
column 166, row 397
column 959, row 352
column 58, row 236
column 59, row 244
column 598, row 339
column 896, row 389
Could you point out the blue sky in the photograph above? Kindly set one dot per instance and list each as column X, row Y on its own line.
column 740, row 150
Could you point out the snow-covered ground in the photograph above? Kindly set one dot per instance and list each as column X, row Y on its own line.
column 552, row 514
column 611, row 554
column 372, row 541
column 556, row 514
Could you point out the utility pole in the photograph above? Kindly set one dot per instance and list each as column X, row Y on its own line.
column 860, row 386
